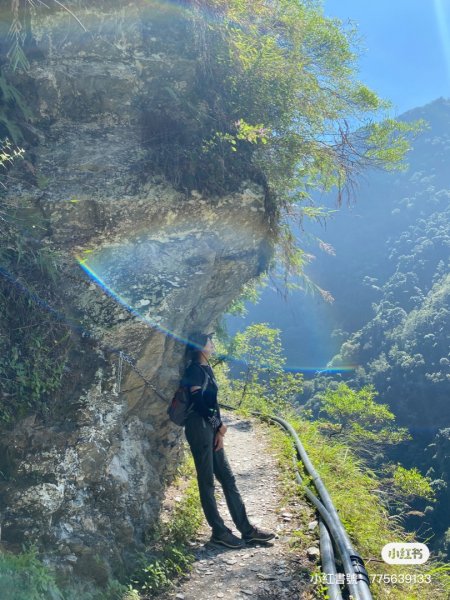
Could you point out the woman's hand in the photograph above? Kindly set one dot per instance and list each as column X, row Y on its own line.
column 218, row 441
column 222, row 429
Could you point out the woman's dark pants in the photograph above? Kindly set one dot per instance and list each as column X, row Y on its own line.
column 209, row 462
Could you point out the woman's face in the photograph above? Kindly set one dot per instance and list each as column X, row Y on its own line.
column 209, row 347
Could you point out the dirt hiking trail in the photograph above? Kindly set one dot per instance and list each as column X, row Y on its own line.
column 261, row 571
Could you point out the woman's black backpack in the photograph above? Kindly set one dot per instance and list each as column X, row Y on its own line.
column 180, row 405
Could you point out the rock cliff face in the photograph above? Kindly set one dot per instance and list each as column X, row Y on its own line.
column 141, row 266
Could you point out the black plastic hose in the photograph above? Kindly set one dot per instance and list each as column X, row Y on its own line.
column 326, row 547
column 328, row 562
column 353, row 563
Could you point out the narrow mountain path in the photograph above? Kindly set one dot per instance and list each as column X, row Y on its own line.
column 262, row 571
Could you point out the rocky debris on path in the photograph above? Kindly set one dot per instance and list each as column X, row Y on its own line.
column 263, row 571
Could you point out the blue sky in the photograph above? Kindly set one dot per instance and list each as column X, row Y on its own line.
column 407, row 47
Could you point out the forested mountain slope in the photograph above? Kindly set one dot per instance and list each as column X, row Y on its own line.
column 394, row 286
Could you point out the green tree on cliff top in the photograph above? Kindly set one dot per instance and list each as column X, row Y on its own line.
column 286, row 106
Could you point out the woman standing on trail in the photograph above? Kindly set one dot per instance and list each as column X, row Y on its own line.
column 205, row 433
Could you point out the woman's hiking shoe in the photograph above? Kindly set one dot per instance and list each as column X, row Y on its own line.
column 258, row 535
column 227, row 539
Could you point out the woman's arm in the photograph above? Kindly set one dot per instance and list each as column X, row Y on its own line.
column 197, row 399
column 196, row 378
column 209, row 413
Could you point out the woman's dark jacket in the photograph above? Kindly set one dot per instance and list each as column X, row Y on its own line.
column 205, row 403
